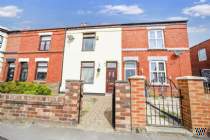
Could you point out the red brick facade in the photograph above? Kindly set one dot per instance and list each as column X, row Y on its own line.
column 25, row 44
column 175, row 37
column 196, row 65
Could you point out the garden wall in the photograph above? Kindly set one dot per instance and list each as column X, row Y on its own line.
column 61, row 108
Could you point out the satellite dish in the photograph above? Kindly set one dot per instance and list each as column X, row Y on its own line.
column 178, row 52
column 70, row 37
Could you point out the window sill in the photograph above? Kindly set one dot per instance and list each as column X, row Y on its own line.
column 88, row 83
column 88, row 51
column 154, row 49
column 158, row 84
column 40, row 81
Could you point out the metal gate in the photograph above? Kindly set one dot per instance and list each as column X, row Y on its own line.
column 163, row 104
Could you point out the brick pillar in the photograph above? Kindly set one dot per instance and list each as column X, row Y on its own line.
column 195, row 103
column 138, row 102
column 73, row 99
column 122, row 106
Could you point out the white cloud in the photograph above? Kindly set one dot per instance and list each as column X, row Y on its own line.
column 202, row 10
column 122, row 9
column 9, row 11
column 200, row 1
column 199, row 29
column 177, row 18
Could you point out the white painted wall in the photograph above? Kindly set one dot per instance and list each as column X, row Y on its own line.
column 107, row 48
column 2, row 49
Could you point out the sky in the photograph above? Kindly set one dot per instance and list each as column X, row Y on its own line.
column 27, row 14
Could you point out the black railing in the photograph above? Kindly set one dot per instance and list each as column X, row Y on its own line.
column 206, row 85
column 163, row 104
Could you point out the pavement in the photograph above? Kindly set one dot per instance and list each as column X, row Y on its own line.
column 39, row 132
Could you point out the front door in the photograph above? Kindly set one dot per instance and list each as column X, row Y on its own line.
column 111, row 76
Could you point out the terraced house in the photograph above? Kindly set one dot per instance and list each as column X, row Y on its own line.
column 98, row 55
column 34, row 55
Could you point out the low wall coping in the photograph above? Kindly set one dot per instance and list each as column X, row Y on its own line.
column 190, row 78
column 135, row 77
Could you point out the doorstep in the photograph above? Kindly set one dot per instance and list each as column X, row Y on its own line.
column 170, row 130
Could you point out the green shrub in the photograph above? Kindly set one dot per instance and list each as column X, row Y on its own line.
column 24, row 88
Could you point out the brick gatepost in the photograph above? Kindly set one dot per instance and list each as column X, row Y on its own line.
column 195, row 104
column 138, row 102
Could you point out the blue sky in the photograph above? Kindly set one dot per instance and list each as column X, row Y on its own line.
column 20, row 14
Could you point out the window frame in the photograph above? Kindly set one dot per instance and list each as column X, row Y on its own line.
column 156, row 39
column 83, row 44
column 157, row 71
column 37, row 70
column 21, row 70
column 130, row 61
column 87, row 67
column 199, row 54
column 1, row 43
column 40, row 42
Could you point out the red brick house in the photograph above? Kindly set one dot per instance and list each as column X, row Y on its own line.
column 200, row 59
column 34, row 55
column 156, row 50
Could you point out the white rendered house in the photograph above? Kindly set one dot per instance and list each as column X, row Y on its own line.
column 3, row 42
column 93, row 54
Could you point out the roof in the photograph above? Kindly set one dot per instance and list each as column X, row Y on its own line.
column 105, row 25
column 197, row 45
column 3, row 30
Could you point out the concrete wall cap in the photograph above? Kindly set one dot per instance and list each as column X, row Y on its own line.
column 190, row 78
column 135, row 77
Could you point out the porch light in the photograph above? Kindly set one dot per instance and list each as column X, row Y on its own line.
column 99, row 68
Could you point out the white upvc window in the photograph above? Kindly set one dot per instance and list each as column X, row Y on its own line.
column 87, row 71
column 158, row 72
column 202, row 55
column 130, row 69
column 156, row 39
column 1, row 40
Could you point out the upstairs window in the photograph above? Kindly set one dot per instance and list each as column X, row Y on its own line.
column 130, row 69
column 45, row 43
column 87, row 72
column 156, row 39
column 202, row 55
column 41, row 72
column 157, row 72
column 1, row 40
column 89, row 40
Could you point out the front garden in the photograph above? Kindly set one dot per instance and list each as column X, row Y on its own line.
column 14, row 87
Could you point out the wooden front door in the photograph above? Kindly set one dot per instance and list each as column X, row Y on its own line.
column 111, row 76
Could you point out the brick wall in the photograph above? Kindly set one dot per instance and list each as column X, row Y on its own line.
column 26, row 44
column 130, row 108
column 195, row 103
column 196, row 65
column 122, row 106
column 61, row 108
column 175, row 36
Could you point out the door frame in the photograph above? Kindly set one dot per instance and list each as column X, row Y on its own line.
column 107, row 71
